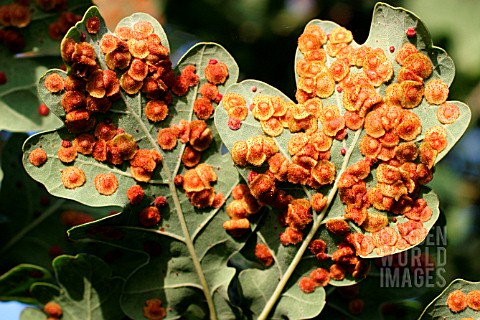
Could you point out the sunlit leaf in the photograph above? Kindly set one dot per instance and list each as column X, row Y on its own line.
column 455, row 302
column 189, row 241
column 86, row 288
column 361, row 197
column 33, row 223
column 19, row 100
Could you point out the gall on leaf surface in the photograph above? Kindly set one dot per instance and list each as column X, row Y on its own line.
column 459, row 300
column 29, row 55
column 183, row 265
column 85, row 288
column 400, row 282
column 366, row 84
column 36, row 222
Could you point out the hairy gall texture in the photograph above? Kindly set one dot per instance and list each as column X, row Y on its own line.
column 135, row 194
column 106, row 183
column 73, row 177
column 37, row 157
column 457, row 301
column 263, row 255
column 153, row 309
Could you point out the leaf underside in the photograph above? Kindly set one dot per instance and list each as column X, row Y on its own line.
column 19, row 100
column 388, row 32
column 441, row 308
column 189, row 251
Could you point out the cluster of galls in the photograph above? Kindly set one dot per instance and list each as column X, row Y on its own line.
column 243, row 205
column 196, row 183
column 215, row 73
column 14, row 16
column 18, row 14
column 237, row 109
column 344, row 259
column 59, row 28
column 457, row 300
column 396, row 192
column 195, row 134
column 309, row 166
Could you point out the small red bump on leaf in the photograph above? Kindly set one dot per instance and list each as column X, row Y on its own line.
column 254, row 89
column 411, row 32
column 160, row 201
column 43, row 110
column 341, row 134
column 66, row 143
column 252, row 175
column 317, row 246
column 321, row 276
column 343, row 151
column 339, row 89
column 391, row 49
column 218, row 98
column 234, row 124
column 178, row 180
column 212, row 61
column 37, row 157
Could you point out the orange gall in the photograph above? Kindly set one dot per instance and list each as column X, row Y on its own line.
column 93, row 25
column 153, row 310
column 457, row 301
column 135, row 194
column 73, row 177
column 106, row 183
column 167, row 139
column 216, row 73
column 53, row 309
column 54, row 83
column 37, row 157
column 263, row 254
column 149, row 217
column 307, row 284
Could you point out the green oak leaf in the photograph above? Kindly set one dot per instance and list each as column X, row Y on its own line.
column 19, row 99
column 86, row 288
column 439, row 308
column 191, row 241
column 33, row 223
column 32, row 314
column 388, row 32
